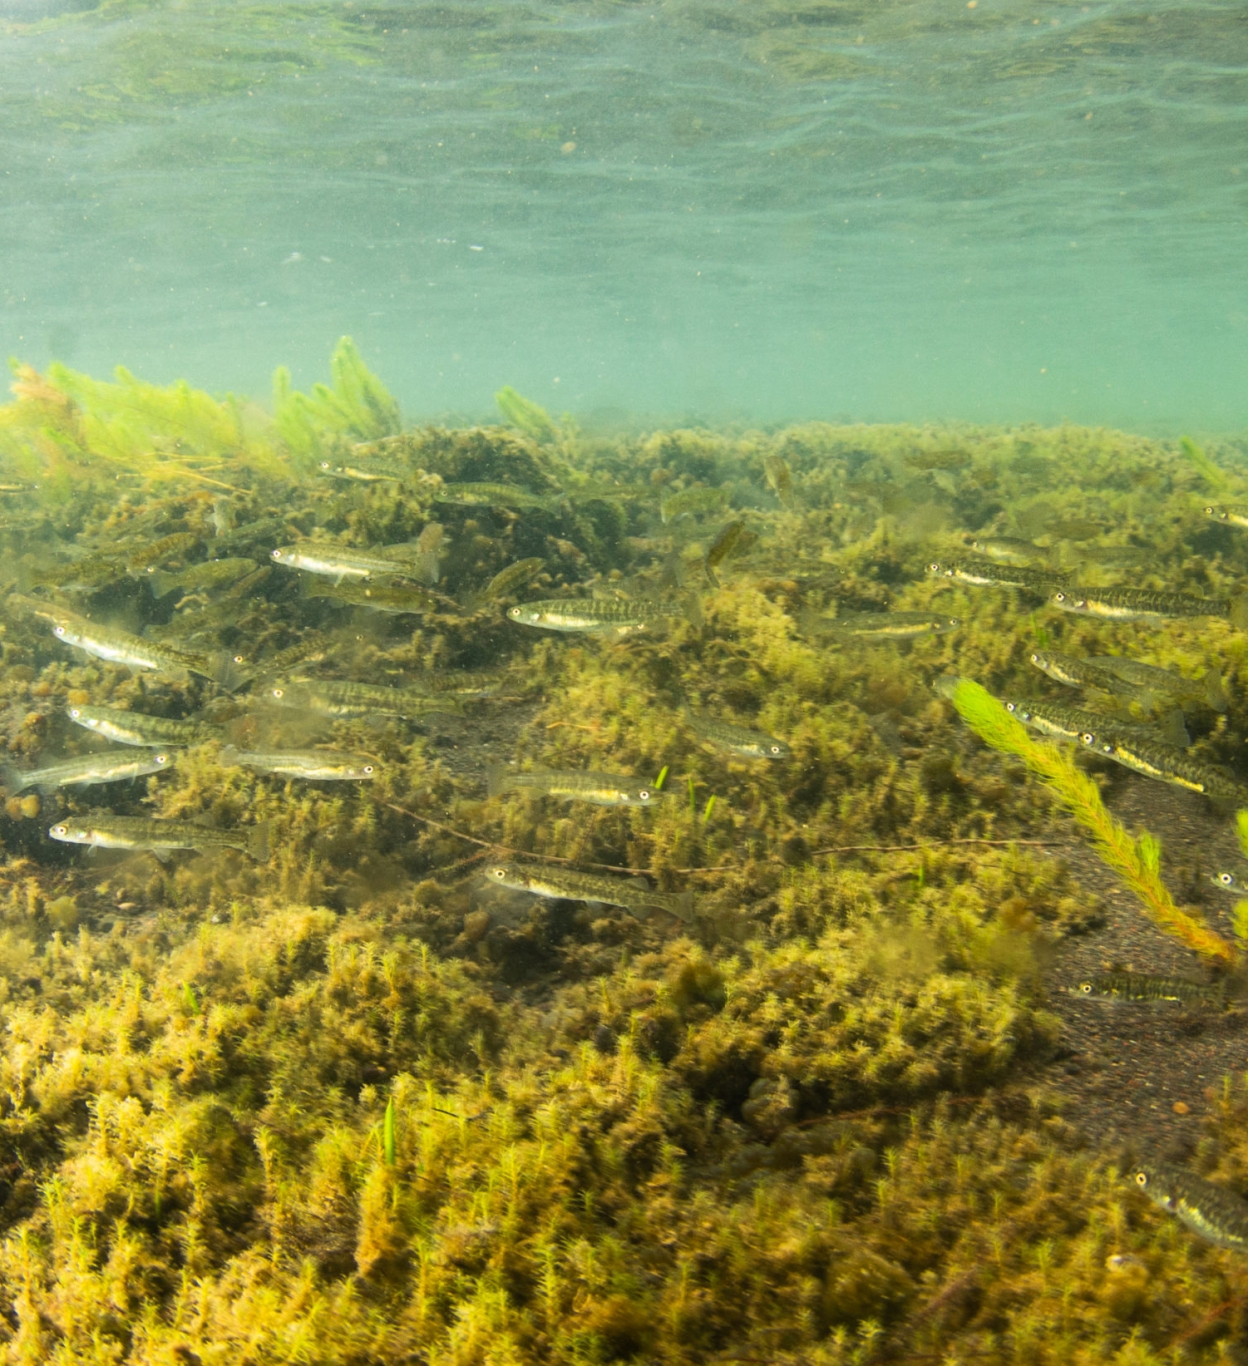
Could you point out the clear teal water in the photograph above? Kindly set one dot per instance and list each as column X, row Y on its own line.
column 720, row 208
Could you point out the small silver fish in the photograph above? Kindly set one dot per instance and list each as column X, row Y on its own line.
column 602, row 789
column 159, row 837
column 748, row 744
column 109, row 766
column 315, row 765
column 634, row 894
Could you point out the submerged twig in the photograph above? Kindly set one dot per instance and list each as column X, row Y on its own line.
column 933, row 844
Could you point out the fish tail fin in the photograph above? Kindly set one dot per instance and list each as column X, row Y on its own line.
column 711, row 577
column 496, row 780
column 1174, row 730
column 161, row 582
column 810, row 623
column 228, row 671
column 258, row 842
column 1215, row 690
column 313, row 586
column 693, row 611
column 13, row 780
column 227, row 757
column 1237, row 612
column 682, row 905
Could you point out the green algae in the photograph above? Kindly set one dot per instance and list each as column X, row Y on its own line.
column 350, row 1106
column 1137, row 860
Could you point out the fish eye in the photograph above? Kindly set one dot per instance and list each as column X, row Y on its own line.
column 276, row 554
column 644, row 794
column 498, row 872
column 368, row 768
column 775, row 749
column 1210, row 511
column 1011, row 706
column 1141, row 1178
column 1086, row 988
column 279, row 692
column 1088, row 738
column 1227, row 879
column 238, row 659
column 1059, row 597
column 160, row 758
column 60, row 829
column 75, row 713
column 324, row 464
column 1035, row 658
column 58, row 630
column 514, row 612
column 934, row 567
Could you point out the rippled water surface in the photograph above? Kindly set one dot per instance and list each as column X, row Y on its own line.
column 926, row 209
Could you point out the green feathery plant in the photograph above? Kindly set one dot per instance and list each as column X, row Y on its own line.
column 1136, row 861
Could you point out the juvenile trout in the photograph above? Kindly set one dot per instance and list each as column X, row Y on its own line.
column 316, row 765
column 120, row 647
column 985, row 572
column 508, row 580
column 146, row 557
column 1168, row 764
column 159, row 837
column 729, row 538
column 748, row 744
column 493, row 495
column 881, row 625
column 634, row 894
column 692, row 501
column 1145, row 987
column 1209, row 689
column 602, row 789
column 342, row 562
column 1146, row 604
column 1218, row 1215
column 780, row 479
column 381, row 597
column 1231, row 516
column 109, row 766
column 345, row 699
column 136, row 728
column 1075, row 672
column 1008, row 549
column 199, row 577
column 600, row 616
column 1072, row 723
column 359, row 474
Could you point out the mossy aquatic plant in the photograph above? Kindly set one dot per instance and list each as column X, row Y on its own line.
column 354, row 1105
column 531, row 418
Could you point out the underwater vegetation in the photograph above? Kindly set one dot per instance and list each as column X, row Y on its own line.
column 1136, row 861
column 587, row 912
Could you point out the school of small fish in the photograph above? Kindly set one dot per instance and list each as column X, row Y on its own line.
column 204, row 576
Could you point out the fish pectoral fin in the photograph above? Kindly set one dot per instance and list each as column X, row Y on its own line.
column 162, row 856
